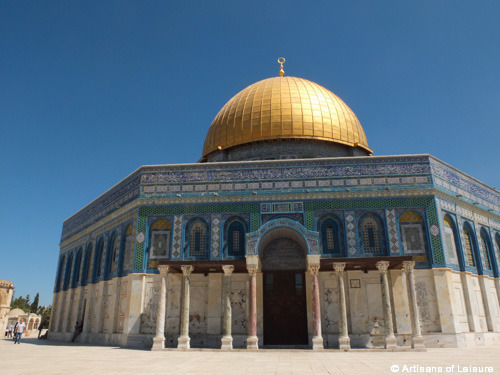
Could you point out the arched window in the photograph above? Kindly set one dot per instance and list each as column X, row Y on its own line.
column 486, row 253
column 67, row 273
column 98, row 261
column 37, row 322
column 159, row 237
column 128, row 250
column 76, row 269
column 197, row 239
column 30, row 325
column 468, row 246
column 59, row 280
column 497, row 252
column 235, row 238
column 112, row 257
column 450, row 242
column 371, row 234
column 412, row 229
column 88, row 264
column 331, row 235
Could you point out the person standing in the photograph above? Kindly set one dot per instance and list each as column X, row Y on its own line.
column 40, row 327
column 19, row 332
column 11, row 330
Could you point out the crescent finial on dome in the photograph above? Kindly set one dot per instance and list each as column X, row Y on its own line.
column 281, row 61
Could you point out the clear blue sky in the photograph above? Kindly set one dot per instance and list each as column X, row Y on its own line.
column 91, row 90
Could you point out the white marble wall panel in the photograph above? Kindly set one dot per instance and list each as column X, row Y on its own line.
column 477, row 300
column 198, row 306
column 329, row 294
column 121, row 305
column 108, row 309
column 401, row 302
column 174, row 284
column 215, row 290
column 239, row 323
column 427, row 301
column 490, row 300
column 461, row 309
column 150, row 305
column 96, row 308
column 64, row 312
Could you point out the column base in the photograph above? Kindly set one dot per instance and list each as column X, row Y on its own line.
column 417, row 343
column 158, row 343
column 317, row 343
column 252, row 343
column 345, row 343
column 227, row 343
column 183, row 342
column 390, row 342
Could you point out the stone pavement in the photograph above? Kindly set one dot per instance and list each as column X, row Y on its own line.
column 35, row 356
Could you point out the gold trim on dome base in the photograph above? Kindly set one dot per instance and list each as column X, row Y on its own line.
column 284, row 108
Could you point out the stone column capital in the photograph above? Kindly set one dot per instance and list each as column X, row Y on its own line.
column 339, row 267
column 314, row 269
column 187, row 270
column 382, row 266
column 252, row 269
column 408, row 265
column 228, row 270
column 163, row 270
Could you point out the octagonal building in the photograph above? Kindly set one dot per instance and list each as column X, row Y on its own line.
column 286, row 233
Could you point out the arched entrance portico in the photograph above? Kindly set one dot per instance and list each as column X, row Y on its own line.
column 283, row 252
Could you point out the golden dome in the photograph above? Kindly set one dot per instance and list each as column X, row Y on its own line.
column 284, row 108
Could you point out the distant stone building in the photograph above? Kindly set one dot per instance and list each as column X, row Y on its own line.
column 6, row 292
column 287, row 232
column 32, row 321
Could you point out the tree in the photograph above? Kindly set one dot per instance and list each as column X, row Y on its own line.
column 45, row 312
column 21, row 303
column 34, row 305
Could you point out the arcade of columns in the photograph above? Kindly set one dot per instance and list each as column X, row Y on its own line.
column 317, row 340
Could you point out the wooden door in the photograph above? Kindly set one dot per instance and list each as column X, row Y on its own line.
column 285, row 309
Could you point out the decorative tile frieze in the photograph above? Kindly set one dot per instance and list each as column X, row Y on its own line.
column 434, row 230
column 216, row 221
column 367, row 174
column 351, row 232
column 392, row 230
column 177, row 237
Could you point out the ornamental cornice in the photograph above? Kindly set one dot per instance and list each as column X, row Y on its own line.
column 105, row 223
column 457, row 205
column 130, row 210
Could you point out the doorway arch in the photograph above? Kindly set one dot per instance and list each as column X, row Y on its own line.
column 282, row 252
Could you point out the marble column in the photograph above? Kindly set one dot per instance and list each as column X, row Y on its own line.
column 159, row 339
column 344, row 340
column 227, row 338
column 252, row 340
column 183, row 341
column 417, row 341
column 390, row 339
column 317, row 339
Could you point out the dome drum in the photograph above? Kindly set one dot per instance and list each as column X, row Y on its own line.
column 284, row 149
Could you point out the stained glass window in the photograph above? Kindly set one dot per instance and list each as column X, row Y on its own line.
column 236, row 239
column 90, row 253
column 371, row 236
column 469, row 258
column 485, row 250
column 412, row 232
column 331, row 236
column 160, row 239
column 449, row 241
column 197, row 240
